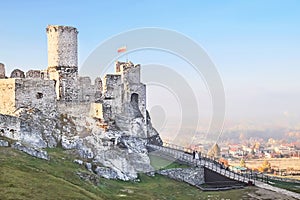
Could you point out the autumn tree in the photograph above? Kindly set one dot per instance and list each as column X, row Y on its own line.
column 265, row 167
column 224, row 162
column 242, row 163
column 215, row 151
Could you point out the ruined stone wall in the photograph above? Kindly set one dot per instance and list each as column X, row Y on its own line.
column 72, row 88
column 62, row 46
column 74, row 109
column 2, row 70
column 36, row 74
column 131, row 73
column 134, row 95
column 53, row 74
column 131, row 78
column 96, row 110
column 112, row 96
column 124, row 100
column 7, row 96
column 17, row 73
column 68, row 84
column 35, row 93
column 86, row 89
column 98, row 90
column 89, row 92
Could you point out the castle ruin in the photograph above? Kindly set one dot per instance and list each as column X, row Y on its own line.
column 120, row 97
column 46, row 108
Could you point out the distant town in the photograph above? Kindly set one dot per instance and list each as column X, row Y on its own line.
column 272, row 156
column 243, row 154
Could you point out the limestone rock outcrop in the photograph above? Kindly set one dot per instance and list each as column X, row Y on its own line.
column 33, row 151
column 4, row 143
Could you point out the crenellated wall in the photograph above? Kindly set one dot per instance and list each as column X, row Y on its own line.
column 89, row 92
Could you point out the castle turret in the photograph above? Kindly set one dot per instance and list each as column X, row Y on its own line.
column 62, row 46
column 62, row 60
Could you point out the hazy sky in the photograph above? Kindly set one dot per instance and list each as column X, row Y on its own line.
column 255, row 45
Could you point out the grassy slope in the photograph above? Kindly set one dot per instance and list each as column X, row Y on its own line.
column 25, row 177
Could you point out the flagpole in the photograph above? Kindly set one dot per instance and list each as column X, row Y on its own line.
column 123, row 49
column 126, row 54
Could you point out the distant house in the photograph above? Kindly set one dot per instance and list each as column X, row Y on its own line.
column 268, row 152
column 224, row 152
column 236, row 150
column 285, row 149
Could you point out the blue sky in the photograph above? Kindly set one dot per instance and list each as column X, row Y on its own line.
column 254, row 44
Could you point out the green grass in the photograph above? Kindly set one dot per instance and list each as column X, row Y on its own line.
column 162, row 163
column 294, row 187
column 25, row 177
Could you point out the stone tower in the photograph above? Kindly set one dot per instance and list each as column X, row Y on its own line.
column 62, row 60
column 62, row 46
column 2, row 70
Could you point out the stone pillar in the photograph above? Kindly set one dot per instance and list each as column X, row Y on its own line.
column 2, row 70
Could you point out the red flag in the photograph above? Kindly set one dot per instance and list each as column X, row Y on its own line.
column 122, row 49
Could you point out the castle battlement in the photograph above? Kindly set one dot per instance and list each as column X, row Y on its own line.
column 62, row 46
column 60, row 28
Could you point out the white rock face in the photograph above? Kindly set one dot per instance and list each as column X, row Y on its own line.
column 33, row 151
column 79, row 162
column 4, row 143
column 123, row 155
column 108, row 173
column 31, row 127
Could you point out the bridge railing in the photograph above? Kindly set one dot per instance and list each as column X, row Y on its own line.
column 187, row 150
column 208, row 162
